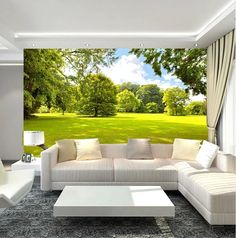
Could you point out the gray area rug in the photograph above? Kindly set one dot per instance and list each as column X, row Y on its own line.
column 33, row 217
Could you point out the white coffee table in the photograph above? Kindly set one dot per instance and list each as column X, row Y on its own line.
column 113, row 201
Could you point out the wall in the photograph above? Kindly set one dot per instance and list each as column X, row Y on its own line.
column 11, row 112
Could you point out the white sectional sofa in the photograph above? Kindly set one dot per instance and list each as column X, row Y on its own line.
column 14, row 186
column 211, row 191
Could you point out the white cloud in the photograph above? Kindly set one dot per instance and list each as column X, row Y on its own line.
column 199, row 97
column 128, row 68
column 170, row 77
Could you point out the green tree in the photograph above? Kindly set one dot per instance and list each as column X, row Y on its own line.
column 141, row 107
column 151, row 93
column 97, row 96
column 42, row 75
column 65, row 99
column 130, row 86
column 196, row 108
column 152, row 107
column 175, row 101
column 87, row 61
column 189, row 65
column 126, row 101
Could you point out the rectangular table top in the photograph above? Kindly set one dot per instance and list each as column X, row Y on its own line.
column 113, row 201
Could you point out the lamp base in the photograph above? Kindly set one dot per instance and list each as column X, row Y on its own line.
column 44, row 147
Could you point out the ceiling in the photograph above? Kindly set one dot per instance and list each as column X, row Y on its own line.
column 113, row 23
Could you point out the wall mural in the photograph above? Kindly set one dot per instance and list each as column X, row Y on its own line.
column 115, row 94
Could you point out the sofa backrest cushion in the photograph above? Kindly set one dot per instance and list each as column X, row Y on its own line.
column 66, row 150
column 185, row 149
column 139, row 149
column 225, row 162
column 88, row 149
column 113, row 150
column 163, row 151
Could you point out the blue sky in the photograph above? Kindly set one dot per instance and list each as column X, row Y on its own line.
column 129, row 68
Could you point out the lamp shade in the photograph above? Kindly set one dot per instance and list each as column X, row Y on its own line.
column 32, row 138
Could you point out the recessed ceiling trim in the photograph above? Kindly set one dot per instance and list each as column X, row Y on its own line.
column 217, row 18
column 11, row 64
column 101, row 34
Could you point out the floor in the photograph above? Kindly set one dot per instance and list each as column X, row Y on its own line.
column 33, row 218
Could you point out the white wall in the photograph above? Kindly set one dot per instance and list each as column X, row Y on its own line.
column 11, row 112
column 228, row 117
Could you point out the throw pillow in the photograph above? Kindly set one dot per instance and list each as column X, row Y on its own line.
column 88, row 149
column 185, row 149
column 66, row 150
column 207, row 154
column 139, row 149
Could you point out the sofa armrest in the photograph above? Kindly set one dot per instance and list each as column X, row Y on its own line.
column 48, row 161
column 225, row 162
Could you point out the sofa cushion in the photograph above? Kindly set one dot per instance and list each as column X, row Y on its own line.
column 207, row 154
column 66, row 150
column 119, row 150
column 211, row 187
column 225, row 162
column 113, row 150
column 88, row 149
column 162, row 151
column 188, row 168
column 83, row 171
column 215, row 190
column 139, row 149
column 156, row 170
column 185, row 149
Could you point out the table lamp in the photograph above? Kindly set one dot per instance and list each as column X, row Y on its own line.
column 34, row 138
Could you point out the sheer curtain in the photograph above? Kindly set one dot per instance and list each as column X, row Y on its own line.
column 219, row 65
column 228, row 117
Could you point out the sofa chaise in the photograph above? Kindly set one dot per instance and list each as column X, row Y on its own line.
column 211, row 191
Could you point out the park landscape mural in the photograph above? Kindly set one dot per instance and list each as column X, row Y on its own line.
column 115, row 94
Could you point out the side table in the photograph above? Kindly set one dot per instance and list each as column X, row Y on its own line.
column 35, row 164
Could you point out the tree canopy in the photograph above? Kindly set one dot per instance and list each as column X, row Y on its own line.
column 189, row 65
column 42, row 75
column 151, row 93
column 152, row 107
column 127, row 102
column 175, row 101
column 196, row 108
column 46, row 82
column 86, row 61
column 97, row 96
column 130, row 86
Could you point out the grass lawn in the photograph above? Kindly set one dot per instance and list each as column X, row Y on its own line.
column 160, row 128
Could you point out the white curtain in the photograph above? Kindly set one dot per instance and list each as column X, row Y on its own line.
column 219, row 65
column 228, row 117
